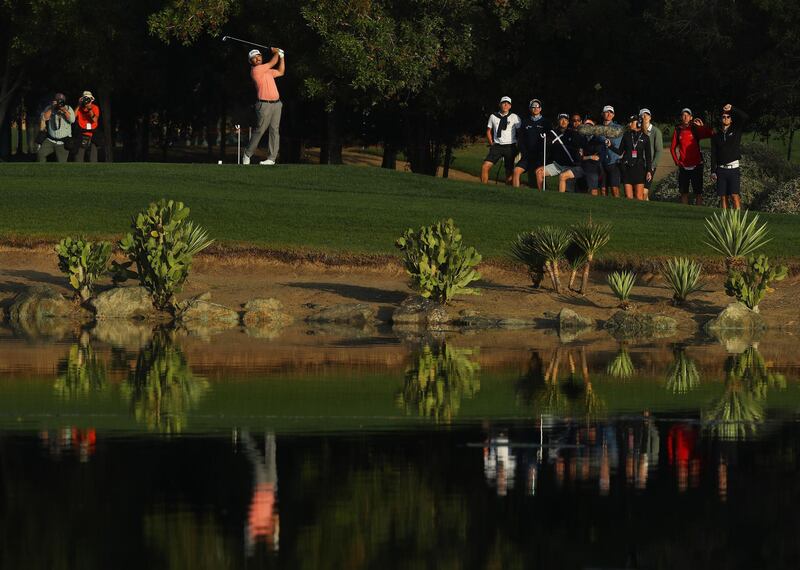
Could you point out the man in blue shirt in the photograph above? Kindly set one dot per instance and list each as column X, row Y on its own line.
column 613, row 177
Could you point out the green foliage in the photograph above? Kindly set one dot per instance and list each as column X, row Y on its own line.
column 590, row 237
column 682, row 375
column 751, row 285
column 785, row 199
column 439, row 264
column 683, row 276
column 546, row 243
column 523, row 250
column 82, row 374
column 437, row 382
column 621, row 367
column 83, row 262
column 187, row 20
column 734, row 234
column 576, row 260
column 621, row 283
column 162, row 246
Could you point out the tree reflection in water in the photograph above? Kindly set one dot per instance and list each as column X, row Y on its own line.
column 440, row 377
column 739, row 412
column 81, row 374
column 682, row 375
column 162, row 388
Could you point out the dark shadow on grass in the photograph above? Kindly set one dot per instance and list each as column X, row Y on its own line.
column 356, row 292
column 37, row 277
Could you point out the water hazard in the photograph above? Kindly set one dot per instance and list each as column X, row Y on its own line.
column 134, row 448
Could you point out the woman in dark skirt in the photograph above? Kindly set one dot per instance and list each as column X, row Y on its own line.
column 636, row 161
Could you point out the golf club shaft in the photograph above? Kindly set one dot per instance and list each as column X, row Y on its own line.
column 225, row 38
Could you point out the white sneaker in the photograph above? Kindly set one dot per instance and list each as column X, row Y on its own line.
column 245, row 159
column 268, row 162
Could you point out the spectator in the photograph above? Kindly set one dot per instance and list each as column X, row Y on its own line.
column 592, row 149
column 685, row 150
column 656, row 146
column 562, row 149
column 636, row 160
column 531, row 138
column 501, row 132
column 269, row 106
column 611, row 170
column 87, row 116
column 726, row 152
column 56, row 137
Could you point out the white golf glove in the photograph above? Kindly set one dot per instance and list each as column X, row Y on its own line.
column 280, row 53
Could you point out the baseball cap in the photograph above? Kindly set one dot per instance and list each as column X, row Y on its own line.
column 645, row 110
column 608, row 108
column 530, row 105
column 88, row 94
column 633, row 118
column 563, row 116
column 505, row 99
column 687, row 110
column 252, row 54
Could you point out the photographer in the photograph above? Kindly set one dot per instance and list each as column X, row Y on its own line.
column 56, row 135
column 87, row 116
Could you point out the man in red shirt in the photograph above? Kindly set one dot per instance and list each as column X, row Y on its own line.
column 87, row 116
column 268, row 108
column 685, row 150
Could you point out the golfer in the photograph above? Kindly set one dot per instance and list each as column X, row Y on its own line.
column 268, row 108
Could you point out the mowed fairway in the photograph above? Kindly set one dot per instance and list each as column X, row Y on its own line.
column 337, row 209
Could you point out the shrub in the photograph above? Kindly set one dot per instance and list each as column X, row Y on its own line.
column 551, row 242
column 523, row 250
column 83, row 262
column 751, row 285
column 785, row 199
column 439, row 264
column 734, row 235
column 162, row 246
column 683, row 276
column 621, row 283
column 590, row 237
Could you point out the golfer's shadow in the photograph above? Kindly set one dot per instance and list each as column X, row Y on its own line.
column 356, row 292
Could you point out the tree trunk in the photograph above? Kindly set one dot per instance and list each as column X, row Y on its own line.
column 585, row 277
column 789, row 146
column 389, row 156
column 448, row 158
column 331, row 149
column 556, row 278
column 223, row 132
column 106, row 117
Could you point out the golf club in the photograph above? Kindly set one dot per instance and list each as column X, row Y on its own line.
column 226, row 38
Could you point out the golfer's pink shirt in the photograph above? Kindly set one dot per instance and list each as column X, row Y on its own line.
column 264, row 77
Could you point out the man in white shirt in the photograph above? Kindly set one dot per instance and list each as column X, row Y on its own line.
column 501, row 132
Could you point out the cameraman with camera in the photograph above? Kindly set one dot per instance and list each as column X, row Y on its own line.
column 87, row 115
column 56, row 135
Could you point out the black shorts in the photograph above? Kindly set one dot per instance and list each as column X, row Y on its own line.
column 729, row 181
column 693, row 177
column 592, row 174
column 613, row 175
column 634, row 174
column 507, row 152
column 526, row 164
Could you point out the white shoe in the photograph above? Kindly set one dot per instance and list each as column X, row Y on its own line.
column 268, row 162
column 245, row 159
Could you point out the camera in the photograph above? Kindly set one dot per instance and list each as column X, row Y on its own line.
column 60, row 103
column 85, row 100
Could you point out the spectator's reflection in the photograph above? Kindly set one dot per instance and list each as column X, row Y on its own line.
column 263, row 523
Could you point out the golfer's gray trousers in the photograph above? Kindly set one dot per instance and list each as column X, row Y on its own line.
column 269, row 117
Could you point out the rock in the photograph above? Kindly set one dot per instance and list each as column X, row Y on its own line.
column 516, row 323
column 42, row 302
column 205, row 313
column 357, row 314
column 632, row 324
column 420, row 311
column 265, row 313
column 569, row 320
column 736, row 317
column 123, row 333
column 124, row 303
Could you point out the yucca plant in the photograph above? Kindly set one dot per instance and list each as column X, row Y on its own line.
column 590, row 237
column 734, row 235
column 576, row 260
column 523, row 250
column 682, row 375
column 551, row 242
column 683, row 276
column 621, row 283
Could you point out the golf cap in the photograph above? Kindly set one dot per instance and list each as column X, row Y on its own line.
column 563, row 116
column 505, row 99
column 633, row 118
column 687, row 110
column 608, row 108
column 88, row 94
column 645, row 110
column 252, row 54
column 533, row 103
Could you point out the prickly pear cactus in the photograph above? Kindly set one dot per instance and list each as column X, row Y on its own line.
column 83, row 262
column 751, row 285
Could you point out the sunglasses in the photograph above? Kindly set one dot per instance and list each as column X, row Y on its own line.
column 726, row 116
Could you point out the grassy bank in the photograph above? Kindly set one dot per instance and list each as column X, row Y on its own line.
column 336, row 209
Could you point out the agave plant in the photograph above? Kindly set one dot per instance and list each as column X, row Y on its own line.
column 682, row 375
column 734, row 235
column 523, row 250
column 590, row 237
column 683, row 276
column 621, row 283
column 622, row 366
column 551, row 242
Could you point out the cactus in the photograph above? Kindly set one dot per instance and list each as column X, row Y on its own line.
column 439, row 264
column 162, row 246
column 83, row 262
column 751, row 285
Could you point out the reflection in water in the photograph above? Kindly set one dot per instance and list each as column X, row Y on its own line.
column 682, row 374
column 83, row 373
column 162, row 388
column 440, row 377
column 186, row 540
column 263, row 523
column 740, row 410
column 621, row 367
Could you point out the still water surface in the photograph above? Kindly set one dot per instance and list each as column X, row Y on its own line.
column 334, row 450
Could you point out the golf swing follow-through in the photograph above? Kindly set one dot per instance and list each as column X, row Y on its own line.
column 268, row 105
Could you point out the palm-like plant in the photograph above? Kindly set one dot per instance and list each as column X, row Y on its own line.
column 622, row 366
column 683, row 276
column 576, row 260
column 590, row 237
column 550, row 242
column 733, row 234
column 523, row 250
column 621, row 283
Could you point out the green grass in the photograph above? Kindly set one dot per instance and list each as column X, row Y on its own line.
column 336, row 209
